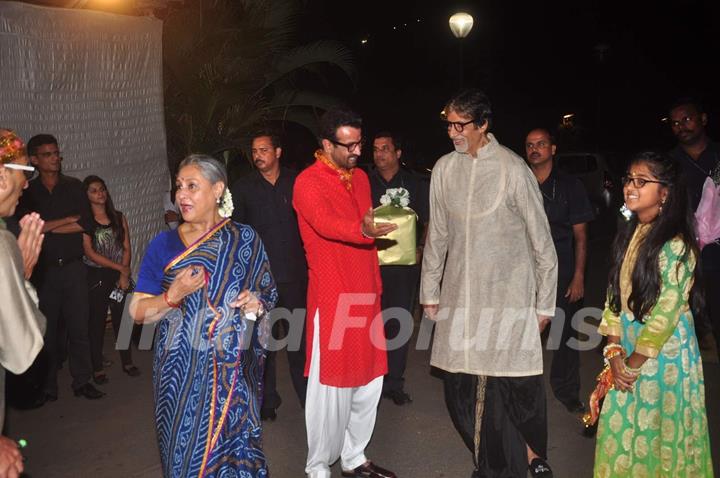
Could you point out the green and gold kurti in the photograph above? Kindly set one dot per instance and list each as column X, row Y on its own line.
column 660, row 428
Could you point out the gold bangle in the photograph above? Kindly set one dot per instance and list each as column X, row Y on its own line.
column 631, row 370
column 609, row 348
column 611, row 351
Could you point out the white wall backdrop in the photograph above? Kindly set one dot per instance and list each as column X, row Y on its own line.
column 94, row 80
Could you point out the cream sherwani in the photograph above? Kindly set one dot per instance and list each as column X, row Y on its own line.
column 489, row 263
column 21, row 323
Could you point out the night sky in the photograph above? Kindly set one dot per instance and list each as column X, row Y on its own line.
column 616, row 65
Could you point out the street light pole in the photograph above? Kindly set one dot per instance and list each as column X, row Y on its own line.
column 460, row 24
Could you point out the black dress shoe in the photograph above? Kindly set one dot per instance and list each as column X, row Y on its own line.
column 36, row 402
column 575, row 406
column 370, row 470
column 398, row 397
column 268, row 414
column 88, row 391
column 539, row 468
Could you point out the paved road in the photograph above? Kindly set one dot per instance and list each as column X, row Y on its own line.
column 114, row 437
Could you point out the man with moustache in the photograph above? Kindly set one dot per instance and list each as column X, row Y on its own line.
column 346, row 358
column 489, row 277
column 63, row 205
column 568, row 211
column 263, row 200
column 699, row 157
column 399, row 281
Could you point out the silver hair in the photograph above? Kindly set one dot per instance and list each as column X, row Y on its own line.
column 210, row 168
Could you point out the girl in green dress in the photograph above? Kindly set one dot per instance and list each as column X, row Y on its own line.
column 653, row 421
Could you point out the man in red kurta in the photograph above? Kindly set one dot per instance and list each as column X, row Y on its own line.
column 346, row 344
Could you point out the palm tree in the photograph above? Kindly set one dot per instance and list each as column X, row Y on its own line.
column 232, row 65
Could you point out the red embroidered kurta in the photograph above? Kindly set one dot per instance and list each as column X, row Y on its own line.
column 344, row 277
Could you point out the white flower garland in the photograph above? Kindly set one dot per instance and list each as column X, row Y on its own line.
column 226, row 204
column 398, row 197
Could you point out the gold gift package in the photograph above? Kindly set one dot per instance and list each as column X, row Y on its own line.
column 399, row 247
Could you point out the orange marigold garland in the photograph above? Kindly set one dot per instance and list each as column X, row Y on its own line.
column 345, row 174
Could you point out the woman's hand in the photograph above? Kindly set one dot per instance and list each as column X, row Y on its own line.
column 30, row 241
column 623, row 381
column 185, row 283
column 124, row 281
column 248, row 303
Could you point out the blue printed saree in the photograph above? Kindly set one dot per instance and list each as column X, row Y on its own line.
column 209, row 361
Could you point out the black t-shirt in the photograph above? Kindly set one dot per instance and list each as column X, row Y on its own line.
column 268, row 209
column 418, row 190
column 67, row 198
column 566, row 203
column 696, row 172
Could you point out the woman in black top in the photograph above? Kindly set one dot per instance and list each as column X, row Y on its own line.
column 107, row 255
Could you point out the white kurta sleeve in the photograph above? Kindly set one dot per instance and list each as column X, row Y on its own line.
column 436, row 244
column 22, row 325
column 530, row 205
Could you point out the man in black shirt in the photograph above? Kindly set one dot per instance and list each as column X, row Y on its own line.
column 399, row 282
column 568, row 210
column 63, row 205
column 263, row 200
column 699, row 156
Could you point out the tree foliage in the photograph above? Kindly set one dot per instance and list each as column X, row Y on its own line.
column 231, row 66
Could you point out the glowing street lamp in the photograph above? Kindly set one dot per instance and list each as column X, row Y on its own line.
column 460, row 24
column 568, row 120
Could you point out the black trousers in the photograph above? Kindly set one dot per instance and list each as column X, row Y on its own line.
column 710, row 260
column 291, row 296
column 399, row 290
column 565, row 368
column 64, row 297
column 101, row 281
column 511, row 412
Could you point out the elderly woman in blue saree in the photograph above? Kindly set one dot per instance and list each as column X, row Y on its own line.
column 209, row 285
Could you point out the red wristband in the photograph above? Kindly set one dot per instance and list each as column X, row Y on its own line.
column 172, row 305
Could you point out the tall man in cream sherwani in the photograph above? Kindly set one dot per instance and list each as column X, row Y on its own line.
column 489, row 277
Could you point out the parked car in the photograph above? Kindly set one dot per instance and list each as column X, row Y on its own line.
column 599, row 173
column 596, row 174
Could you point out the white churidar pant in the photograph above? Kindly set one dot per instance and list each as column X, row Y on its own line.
column 339, row 420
